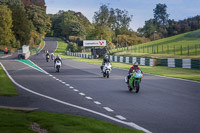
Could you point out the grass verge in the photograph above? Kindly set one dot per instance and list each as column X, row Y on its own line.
column 7, row 88
column 190, row 74
column 20, row 121
column 38, row 48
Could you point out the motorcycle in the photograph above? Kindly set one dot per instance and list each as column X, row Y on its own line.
column 47, row 58
column 107, row 70
column 52, row 56
column 134, row 81
column 57, row 65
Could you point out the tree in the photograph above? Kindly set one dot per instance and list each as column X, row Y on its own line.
column 21, row 24
column 7, row 37
column 160, row 14
column 39, row 18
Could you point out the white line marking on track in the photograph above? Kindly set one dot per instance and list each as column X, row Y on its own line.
column 50, row 75
column 82, row 94
column 96, row 102
column 88, row 98
column 54, row 77
column 63, row 82
column 120, row 117
column 71, row 87
column 75, row 90
column 67, row 84
column 133, row 125
column 60, row 81
column 108, row 109
column 57, row 79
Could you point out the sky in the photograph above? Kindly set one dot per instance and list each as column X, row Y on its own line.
column 141, row 10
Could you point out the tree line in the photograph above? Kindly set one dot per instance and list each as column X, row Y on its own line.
column 161, row 26
column 21, row 24
column 27, row 24
column 112, row 25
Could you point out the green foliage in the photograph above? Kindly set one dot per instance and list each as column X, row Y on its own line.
column 41, row 23
column 160, row 14
column 6, row 33
column 67, row 24
column 116, row 19
column 73, row 47
column 39, row 18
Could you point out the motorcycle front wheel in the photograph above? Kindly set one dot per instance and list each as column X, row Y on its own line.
column 107, row 73
column 137, row 86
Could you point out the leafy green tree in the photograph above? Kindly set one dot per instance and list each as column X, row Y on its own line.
column 21, row 24
column 160, row 14
column 7, row 37
column 39, row 18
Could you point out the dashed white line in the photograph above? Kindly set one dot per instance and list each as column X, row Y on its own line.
column 71, row 87
column 60, row 81
column 54, row 77
column 75, row 90
column 120, row 117
column 50, row 75
column 67, row 84
column 82, row 94
column 63, row 82
column 96, row 102
column 88, row 98
column 108, row 109
column 57, row 79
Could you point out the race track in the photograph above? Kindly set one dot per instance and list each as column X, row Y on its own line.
column 163, row 105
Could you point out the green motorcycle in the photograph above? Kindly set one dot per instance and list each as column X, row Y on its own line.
column 135, row 80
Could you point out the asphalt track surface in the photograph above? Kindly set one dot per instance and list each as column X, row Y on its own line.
column 163, row 105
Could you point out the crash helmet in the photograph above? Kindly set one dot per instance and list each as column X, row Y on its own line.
column 106, row 57
column 47, row 51
column 135, row 64
column 57, row 56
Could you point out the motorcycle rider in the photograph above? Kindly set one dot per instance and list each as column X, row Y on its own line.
column 105, row 60
column 57, row 58
column 133, row 68
column 47, row 53
column 52, row 56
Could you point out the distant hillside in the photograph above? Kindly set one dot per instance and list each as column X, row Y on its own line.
column 168, row 46
column 40, row 3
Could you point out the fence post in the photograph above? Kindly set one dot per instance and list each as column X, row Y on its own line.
column 174, row 49
column 188, row 50
column 143, row 49
column 157, row 48
column 168, row 49
column 181, row 49
column 195, row 49
column 162, row 49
